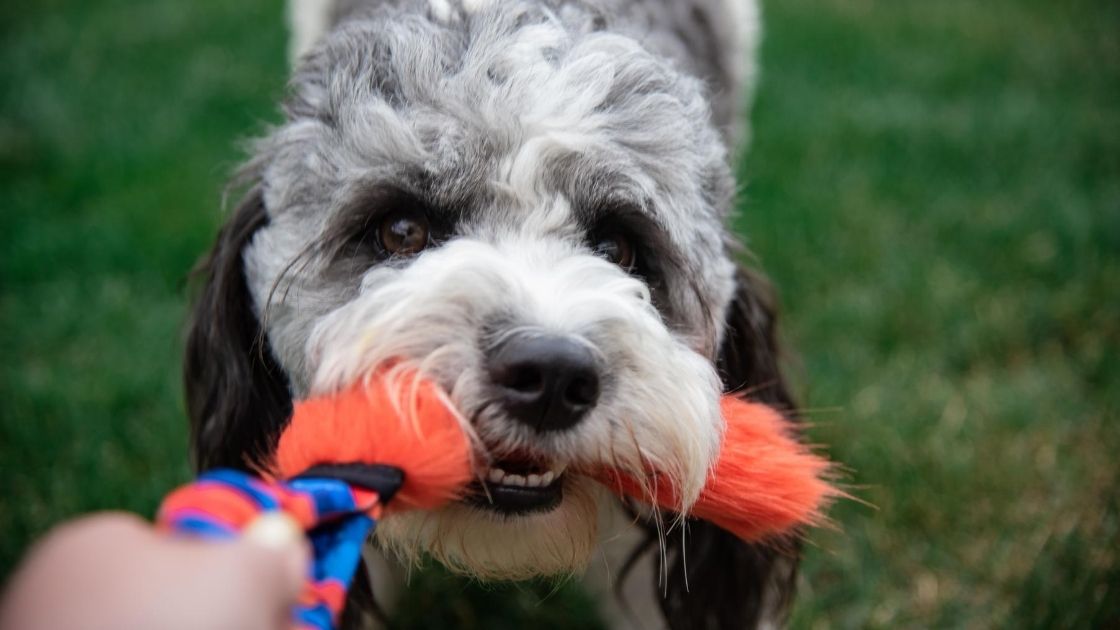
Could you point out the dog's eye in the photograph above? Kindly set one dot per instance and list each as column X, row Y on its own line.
column 616, row 248
column 404, row 233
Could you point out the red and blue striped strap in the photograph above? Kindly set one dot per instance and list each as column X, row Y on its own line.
column 337, row 517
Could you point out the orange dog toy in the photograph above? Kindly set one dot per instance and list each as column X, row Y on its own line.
column 764, row 482
column 393, row 440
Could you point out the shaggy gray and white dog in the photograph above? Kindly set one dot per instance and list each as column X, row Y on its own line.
column 526, row 200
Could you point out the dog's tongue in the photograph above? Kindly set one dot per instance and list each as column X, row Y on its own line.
column 764, row 484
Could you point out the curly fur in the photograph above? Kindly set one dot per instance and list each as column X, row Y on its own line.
column 519, row 127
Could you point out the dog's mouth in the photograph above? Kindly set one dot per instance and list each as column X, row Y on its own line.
column 519, row 485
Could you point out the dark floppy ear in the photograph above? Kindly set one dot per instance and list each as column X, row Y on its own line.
column 749, row 357
column 715, row 580
column 237, row 395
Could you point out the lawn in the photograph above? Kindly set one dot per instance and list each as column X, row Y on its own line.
column 934, row 187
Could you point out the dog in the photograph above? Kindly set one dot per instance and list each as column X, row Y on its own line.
column 526, row 200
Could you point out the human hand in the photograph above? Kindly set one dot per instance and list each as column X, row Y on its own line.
column 114, row 571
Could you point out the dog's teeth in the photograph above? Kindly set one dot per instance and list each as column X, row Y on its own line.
column 535, row 480
column 558, row 470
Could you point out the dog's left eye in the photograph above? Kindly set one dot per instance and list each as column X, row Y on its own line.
column 404, row 233
column 616, row 248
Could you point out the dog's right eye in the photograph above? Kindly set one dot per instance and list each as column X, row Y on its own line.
column 404, row 233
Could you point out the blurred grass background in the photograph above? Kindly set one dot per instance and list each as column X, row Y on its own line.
column 934, row 186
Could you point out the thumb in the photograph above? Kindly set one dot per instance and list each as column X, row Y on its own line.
column 250, row 583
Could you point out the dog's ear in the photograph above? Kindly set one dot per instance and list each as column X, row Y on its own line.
column 715, row 580
column 237, row 395
column 749, row 357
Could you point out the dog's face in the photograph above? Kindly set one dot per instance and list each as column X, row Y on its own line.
column 531, row 212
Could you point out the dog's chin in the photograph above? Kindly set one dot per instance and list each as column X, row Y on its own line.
column 510, row 535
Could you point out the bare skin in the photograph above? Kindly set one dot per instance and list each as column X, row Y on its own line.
column 115, row 571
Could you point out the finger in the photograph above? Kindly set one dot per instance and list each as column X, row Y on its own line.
column 248, row 583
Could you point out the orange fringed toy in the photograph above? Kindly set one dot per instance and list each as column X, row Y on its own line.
column 394, row 440
column 764, row 483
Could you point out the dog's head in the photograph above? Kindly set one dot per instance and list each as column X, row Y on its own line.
column 527, row 208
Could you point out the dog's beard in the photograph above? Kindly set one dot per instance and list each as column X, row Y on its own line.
column 489, row 545
column 658, row 409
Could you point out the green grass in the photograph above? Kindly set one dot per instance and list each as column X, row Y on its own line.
column 933, row 186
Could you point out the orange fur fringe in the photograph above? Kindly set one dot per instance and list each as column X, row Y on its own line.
column 765, row 483
column 392, row 418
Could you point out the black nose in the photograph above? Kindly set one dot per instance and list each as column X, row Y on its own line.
column 545, row 381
